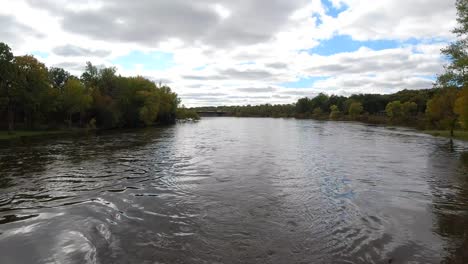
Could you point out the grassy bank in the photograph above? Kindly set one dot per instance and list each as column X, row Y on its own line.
column 5, row 135
column 459, row 134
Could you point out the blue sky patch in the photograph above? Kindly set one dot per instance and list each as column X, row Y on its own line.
column 305, row 82
column 344, row 43
column 200, row 68
column 40, row 54
column 331, row 10
column 150, row 61
column 428, row 77
column 318, row 19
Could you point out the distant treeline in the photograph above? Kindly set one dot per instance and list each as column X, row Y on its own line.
column 33, row 96
column 426, row 109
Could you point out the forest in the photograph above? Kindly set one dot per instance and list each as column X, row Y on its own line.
column 437, row 108
column 33, row 96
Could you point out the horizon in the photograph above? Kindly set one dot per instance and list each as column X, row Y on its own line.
column 242, row 53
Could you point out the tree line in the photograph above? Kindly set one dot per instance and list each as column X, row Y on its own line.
column 33, row 96
column 438, row 108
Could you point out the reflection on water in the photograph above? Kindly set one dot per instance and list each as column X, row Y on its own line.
column 233, row 190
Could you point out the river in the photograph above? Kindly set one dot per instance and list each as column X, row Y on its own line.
column 236, row 190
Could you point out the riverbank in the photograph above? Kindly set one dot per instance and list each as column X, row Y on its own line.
column 458, row 134
column 414, row 123
column 5, row 135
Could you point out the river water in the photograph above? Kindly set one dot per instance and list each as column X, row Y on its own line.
column 236, row 190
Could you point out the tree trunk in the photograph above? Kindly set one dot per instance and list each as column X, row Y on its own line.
column 69, row 120
column 452, row 127
column 11, row 118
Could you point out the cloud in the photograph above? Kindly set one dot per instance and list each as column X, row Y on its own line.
column 75, row 51
column 396, row 19
column 203, row 78
column 252, row 74
column 277, row 96
column 198, row 95
column 74, row 66
column 277, row 65
column 257, row 90
column 12, row 31
column 367, row 61
column 149, row 22
column 241, row 52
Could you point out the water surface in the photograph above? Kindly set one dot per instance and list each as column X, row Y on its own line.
column 236, row 190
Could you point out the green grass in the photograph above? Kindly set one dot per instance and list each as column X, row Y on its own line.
column 459, row 134
column 4, row 135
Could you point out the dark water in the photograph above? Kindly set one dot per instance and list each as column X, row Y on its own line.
column 228, row 190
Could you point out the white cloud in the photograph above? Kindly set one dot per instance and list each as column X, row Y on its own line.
column 397, row 19
column 238, row 52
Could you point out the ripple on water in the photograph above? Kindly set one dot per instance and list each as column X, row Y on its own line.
column 233, row 190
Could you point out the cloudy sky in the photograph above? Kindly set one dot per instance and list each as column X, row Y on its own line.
column 224, row 52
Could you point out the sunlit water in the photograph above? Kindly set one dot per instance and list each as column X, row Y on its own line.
column 234, row 190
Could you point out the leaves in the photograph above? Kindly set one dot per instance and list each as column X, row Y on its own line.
column 34, row 94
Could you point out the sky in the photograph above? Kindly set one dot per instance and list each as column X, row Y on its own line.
column 224, row 52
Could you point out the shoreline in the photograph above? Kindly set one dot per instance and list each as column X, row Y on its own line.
column 5, row 136
column 377, row 121
column 22, row 134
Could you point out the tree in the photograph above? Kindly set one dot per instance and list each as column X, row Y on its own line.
column 58, row 77
column 440, row 109
column 408, row 109
column 317, row 112
column 32, row 82
column 90, row 76
column 355, row 109
column 398, row 111
column 457, row 52
column 321, row 100
column 303, row 106
column 7, row 74
column 75, row 98
column 394, row 110
column 334, row 112
column 461, row 107
column 149, row 111
column 168, row 105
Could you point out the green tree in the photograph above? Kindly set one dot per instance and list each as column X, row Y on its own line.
column 303, row 106
column 461, row 107
column 317, row 112
column 355, row 109
column 58, row 77
column 32, row 86
column 168, row 105
column 394, row 110
column 408, row 109
column 457, row 52
column 398, row 111
column 321, row 100
column 334, row 112
column 75, row 99
column 149, row 111
column 90, row 76
column 7, row 75
column 440, row 109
